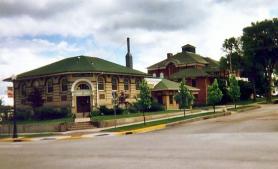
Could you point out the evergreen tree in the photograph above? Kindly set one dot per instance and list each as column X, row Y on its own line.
column 214, row 94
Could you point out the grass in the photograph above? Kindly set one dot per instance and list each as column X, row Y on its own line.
column 28, row 135
column 241, row 107
column 158, row 122
column 110, row 117
column 54, row 121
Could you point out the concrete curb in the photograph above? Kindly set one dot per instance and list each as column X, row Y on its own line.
column 142, row 130
column 162, row 126
column 249, row 108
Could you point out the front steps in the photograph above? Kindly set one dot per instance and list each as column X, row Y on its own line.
column 81, row 125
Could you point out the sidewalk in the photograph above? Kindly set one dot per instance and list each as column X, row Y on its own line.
column 90, row 133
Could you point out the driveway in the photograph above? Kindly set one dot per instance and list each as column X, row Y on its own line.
column 246, row 140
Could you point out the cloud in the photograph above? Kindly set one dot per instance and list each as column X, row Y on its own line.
column 34, row 33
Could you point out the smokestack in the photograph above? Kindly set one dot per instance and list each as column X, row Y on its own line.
column 128, row 56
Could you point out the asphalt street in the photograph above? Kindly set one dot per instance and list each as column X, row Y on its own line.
column 246, row 140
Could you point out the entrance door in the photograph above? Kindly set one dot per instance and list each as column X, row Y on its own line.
column 83, row 104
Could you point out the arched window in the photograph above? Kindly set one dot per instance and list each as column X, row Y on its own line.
column 64, row 85
column 126, row 84
column 100, row 83
column 161, row 75
column 114, row 83
column 137, row 83
column 49, row 86
column 23, row 89
column 83, row 86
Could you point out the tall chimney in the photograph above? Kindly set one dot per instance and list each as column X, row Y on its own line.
column 128, row 56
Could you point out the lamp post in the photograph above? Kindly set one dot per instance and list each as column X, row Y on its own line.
column 14, row 116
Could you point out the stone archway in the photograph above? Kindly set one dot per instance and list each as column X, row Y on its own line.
column 82, row 97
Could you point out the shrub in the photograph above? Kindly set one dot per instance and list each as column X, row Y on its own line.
column 47, row 113
column 24, row 114
column 95, row 113
column 106, row 111
column 246, row 90
column 133, row 109
column 155, row 106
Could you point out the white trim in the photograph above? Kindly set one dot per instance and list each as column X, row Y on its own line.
column 73, row 90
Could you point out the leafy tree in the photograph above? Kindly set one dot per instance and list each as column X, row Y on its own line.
column 35, row 98
column 223, row 86
column 232, row 61
column 184, row 97
column 234, row 90
column 214, row 94
column 260, row 43
column 1, row 101
column 145, row 99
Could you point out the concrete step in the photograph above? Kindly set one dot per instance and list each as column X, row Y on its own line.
column 81, row 126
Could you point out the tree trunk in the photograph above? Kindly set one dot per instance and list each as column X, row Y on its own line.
column 144, row 117
column 214, row 108
column 268, row 95
column 254, row 90
column 184, row 112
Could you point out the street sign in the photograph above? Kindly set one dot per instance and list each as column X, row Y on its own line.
column 10, row 92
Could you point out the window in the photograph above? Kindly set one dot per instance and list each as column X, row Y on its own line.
column 126, row 84
column 64, row 85
column 171, row 99
column 154, row 74
column 101, row 96
column 100, row 83
column 83, row 86
column 35, row 84
column 161, row 75
column 23, row 89
column 49, row 86
column 64, row 98
column 49, row 99
column 193, row 82
column 114, row 83
column 137, row 83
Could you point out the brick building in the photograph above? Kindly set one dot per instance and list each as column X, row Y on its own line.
column 198, row 71
column 81, row 83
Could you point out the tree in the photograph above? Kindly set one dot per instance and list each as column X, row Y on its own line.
column 184, row 97
column 145, row 98
column 234, row 90
column 1, row 101
column 260, row 43
column 214, row 94
column 35, row 98
column 232, row 61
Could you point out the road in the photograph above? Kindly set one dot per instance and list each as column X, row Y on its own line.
column 246, row 140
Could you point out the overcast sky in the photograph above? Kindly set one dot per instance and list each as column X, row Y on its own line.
column 36, row 32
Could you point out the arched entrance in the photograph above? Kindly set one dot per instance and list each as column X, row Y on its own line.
column 82, row 97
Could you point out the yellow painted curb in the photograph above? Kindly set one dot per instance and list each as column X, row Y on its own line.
column 71, row 138
column 19, row 139
column 142, row 130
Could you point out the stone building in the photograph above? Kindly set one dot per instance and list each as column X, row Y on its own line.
column 81, row 83
column 198, row 71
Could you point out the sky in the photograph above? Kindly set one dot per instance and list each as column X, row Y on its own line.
column 35, row 33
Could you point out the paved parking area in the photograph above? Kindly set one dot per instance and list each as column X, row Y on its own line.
column 242, row 141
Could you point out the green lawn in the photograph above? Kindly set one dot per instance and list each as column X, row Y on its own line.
column 28, row 135
column 241, row 107
column 110, row 117
column 54, row 121
column 149, row 124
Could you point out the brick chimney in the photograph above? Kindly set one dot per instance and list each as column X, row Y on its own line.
column 188, row 48
column 128, row 56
